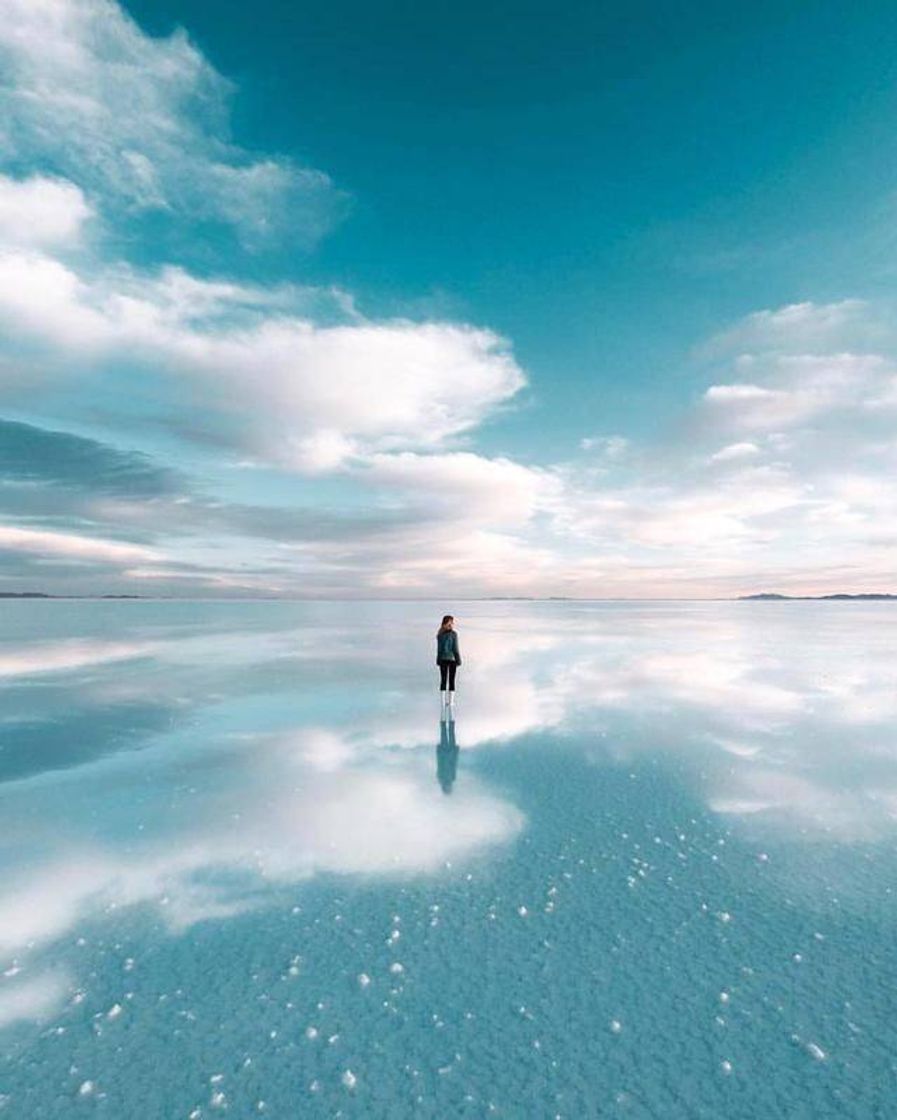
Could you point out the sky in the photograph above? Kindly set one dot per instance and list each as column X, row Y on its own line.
column 447, row 301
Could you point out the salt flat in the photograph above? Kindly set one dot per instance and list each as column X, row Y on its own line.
column 648, row 871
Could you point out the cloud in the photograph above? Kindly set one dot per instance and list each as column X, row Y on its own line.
column 801, row 328
column 33, row 455
column 71, row 546
column 798, row 389
column 470, row 487
column 112, row 130
column 777, row 476
column 102, row 118
column 190, row 514
column 421, row 518
column 455, row 519
column 274, row 384
column 41, row 212
column 408, row 515
column 141, row 123
column 744, row 450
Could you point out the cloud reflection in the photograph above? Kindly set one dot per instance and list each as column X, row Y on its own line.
column 779, row 716
column 31, row 998
column 265, row 813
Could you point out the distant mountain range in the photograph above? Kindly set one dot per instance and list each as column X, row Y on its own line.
column 45, row 595
column 840, row 595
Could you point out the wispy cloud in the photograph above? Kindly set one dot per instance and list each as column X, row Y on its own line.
column 72, row 547
column 142, row 124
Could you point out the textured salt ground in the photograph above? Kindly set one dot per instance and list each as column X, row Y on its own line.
column 626, row 957
column 668, row 886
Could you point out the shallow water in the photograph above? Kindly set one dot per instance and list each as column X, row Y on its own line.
column 649, row 870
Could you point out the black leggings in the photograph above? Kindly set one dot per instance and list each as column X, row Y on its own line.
column 447, row 669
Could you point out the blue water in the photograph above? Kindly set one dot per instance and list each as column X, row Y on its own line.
column 649, row 868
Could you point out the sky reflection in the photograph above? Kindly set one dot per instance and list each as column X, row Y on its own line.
column 285, row 745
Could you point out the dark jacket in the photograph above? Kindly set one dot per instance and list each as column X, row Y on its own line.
column 447, row 647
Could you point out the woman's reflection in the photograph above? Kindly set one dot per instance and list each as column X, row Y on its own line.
column 447, row 755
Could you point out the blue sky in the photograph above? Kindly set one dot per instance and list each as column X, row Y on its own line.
column 377, row 300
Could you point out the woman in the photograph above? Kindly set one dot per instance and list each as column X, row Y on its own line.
column 448, row 656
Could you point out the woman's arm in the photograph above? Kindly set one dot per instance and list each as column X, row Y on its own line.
column 457, row 650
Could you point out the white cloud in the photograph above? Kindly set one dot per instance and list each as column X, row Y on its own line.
column 467, row 487
column 273, row 383
column 289, row 376
column 802, row 436
column 738, row 393
column 465, row 526
column 71, row 546
column 802, row 328
column 41, row 212
column 798, row 389
column 735, row 451
column 323, row 451
column 140, row 122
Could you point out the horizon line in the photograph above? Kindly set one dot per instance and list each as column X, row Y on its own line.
column 753, row 596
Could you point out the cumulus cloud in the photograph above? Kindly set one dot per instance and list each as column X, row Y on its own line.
column 472, row 488
column 121, row 123
column 396, row 517
column 40, row 211
column 275, row 384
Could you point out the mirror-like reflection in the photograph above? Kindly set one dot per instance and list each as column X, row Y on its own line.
column 691, row 809
column 447, row 753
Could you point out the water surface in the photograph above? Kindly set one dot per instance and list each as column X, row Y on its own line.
column 648, row 869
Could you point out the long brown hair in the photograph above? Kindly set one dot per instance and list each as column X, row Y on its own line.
column 446, row 618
